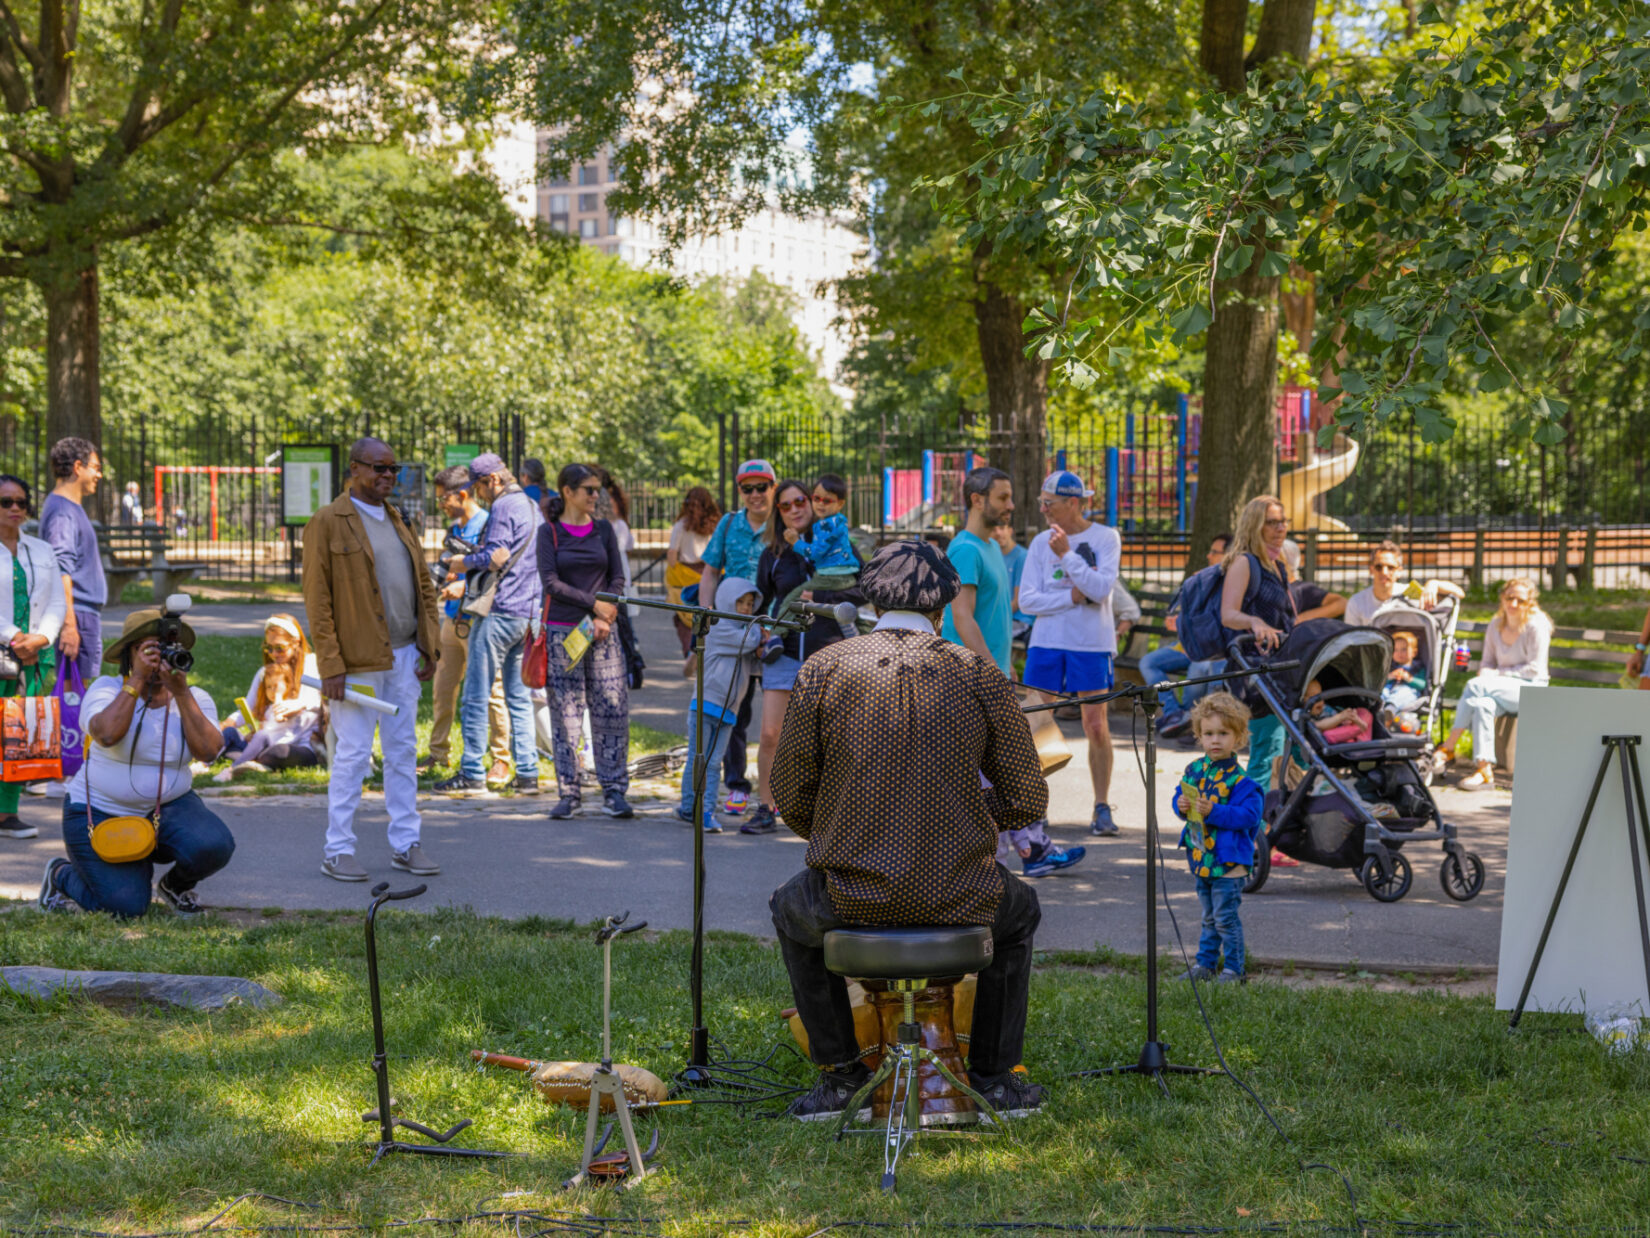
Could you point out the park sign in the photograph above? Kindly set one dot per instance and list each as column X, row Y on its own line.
column 309, row 480
column 459, row 453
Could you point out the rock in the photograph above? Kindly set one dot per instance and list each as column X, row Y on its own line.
column 133, row 988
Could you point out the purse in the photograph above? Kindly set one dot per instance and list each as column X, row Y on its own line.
column 30, row 738
column 125, row 840
column 535, row 659
column 10, row 667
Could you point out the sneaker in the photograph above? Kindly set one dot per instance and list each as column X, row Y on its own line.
column 565, row 808
column 614, row 804
column 13, row 826
column 1197, row 972
column 762, row 821
column 53, row 790
column 1011, row 1095
column 711, row 824
column 1279, row 860
column 343, row 867
column 829, row 1096
column 413, row 860
column 522, row 786
column 51, row 896
column 182, row 902
column 461, row 784
column 1051, row 861
column 499, row 773
column 737, row 802
column 427, row 764
column 1174, row 724
column 1102, row 824
column 771, row 650
column 1228, row 976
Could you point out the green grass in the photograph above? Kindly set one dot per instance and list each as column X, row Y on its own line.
column 224, row 666
column 1620, row 610
column 153, row 1120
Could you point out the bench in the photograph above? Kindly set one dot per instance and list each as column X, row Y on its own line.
column 1604, row 669
column 130, row 551
column 1154, row 614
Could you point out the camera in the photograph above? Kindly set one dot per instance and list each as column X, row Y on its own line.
column 170, row 635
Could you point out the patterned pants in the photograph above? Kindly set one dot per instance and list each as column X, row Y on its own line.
column 597, row 683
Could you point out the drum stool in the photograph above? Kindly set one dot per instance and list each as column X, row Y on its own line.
column 906, row 962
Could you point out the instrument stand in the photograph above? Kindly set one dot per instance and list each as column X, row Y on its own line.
column 1638, row 827
column 383, row 1115
column 605, row 1082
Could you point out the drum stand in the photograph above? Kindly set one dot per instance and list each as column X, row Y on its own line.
column 605, row 1082
column 387, row 1142
column 1638, row 824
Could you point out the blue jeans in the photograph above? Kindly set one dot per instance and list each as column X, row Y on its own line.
column 496, row 645
column 717, row 734
column 1160, row 664
column 192, row 839
column 1220, row 898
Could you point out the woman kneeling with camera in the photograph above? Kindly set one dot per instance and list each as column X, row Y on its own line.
column 131, row 806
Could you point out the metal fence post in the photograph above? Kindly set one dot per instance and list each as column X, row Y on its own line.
column 1561, row 561
column 1309, row 556
column 1475, row 579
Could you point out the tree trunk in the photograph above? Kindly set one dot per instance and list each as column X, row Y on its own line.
column 73, row 344
column 1240, row 360
column 1016, row 388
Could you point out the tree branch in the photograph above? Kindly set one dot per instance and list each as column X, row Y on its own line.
column 13, row 88
column 30, row 52
column 1558, row 247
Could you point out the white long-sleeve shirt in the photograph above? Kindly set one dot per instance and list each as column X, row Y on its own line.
column 1046, row 584
column 47, row 607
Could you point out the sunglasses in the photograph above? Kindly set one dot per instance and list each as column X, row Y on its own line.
column 794, row 505
column 590, row 489
column 12, row 504
column 279, row 648
column 760, row 487
column 825, row 500
column 383, row 470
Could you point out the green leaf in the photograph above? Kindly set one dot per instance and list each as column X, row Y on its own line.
column 1274, row 262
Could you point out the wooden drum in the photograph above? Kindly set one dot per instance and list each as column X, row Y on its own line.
column 942, row 1104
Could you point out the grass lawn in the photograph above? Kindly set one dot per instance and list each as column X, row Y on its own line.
column 145, row 1121
column 224, row 666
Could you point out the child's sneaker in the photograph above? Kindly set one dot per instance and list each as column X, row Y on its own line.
column 711, row 825
column 736, row 804
column 772, row 649
column 1231, row 977
column 1050, row 860
column 1197, row 972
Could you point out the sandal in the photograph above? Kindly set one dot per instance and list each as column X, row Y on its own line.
column 1279, row 860
column 1478, row 780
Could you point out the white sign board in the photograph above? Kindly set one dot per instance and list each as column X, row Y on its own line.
column 1594, row 958
column 306, row 482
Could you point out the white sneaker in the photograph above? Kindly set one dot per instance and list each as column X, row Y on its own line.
column 53, row 790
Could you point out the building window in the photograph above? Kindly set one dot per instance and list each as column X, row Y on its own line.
column 589, row 174
column 589, row 202
column 558, row 203
column 558, row 180
column 627, row 227
column 587, row 227
column 558, row 223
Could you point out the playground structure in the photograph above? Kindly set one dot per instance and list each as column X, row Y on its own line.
column 1148, row 481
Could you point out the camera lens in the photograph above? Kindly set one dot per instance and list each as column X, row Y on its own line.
column 180, row 660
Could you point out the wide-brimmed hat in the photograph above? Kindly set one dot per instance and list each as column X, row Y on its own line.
column 139, row 626
column 909, row 576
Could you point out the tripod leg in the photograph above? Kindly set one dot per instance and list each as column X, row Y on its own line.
column 1632, row 793
column 863, row 1096
column 589, row 1137
column 987, row 1113
column 615, row 1089
column 1563, row 881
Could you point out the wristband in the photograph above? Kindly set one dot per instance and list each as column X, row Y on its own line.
column 1641, row 647
column 131, row 691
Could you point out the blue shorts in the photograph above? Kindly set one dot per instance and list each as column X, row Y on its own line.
column 1065, row 670
column 780, row 675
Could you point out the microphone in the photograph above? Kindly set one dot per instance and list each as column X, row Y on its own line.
column 844, row 613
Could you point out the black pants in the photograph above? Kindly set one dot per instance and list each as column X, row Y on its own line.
column 733, row 765
column 802, row 914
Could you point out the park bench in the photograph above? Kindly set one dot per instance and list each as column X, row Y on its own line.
column 1154, row 614
column 1603, row 669
column 130, row 551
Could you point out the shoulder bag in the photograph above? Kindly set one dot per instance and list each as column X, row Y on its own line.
column 535, row 659
column 479, row 603
column 125, row 840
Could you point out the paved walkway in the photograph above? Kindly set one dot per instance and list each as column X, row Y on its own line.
column 504, row 857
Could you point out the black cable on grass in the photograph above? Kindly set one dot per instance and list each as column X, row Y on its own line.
column 1156, row 842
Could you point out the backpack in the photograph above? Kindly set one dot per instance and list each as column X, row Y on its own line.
column 1202, row 635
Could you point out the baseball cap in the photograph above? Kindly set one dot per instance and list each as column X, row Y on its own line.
column 1066, row 485
column 486, row 464
column 751, row 470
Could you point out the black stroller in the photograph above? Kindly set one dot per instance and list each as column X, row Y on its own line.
column 1347, row 805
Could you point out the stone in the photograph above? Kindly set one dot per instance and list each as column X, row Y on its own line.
column 133, row 988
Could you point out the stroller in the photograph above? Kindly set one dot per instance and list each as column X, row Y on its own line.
column 1434, row 632
column 1350, row 805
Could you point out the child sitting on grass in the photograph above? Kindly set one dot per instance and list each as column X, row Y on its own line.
column 1346, row 726
column 1406, row 682
column 1221, row 809
column 729, row 657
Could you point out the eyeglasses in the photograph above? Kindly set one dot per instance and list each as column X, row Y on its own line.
column 279, row 648
column 383, row 470
column 760, row 487
column 11, row 504
column 1277, row 524
column 1510, row 601
column 794, row 505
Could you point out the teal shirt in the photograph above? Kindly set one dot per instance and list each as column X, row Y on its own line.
column 980, row 563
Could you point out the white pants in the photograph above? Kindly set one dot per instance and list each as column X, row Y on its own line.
column 352, row 728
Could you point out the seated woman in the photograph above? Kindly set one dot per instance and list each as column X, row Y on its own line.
column 142, row 727
column 1515, row 656
column 288, row 716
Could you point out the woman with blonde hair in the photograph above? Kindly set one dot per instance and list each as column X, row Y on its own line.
column 1255, row 600
column 1515, row 656
column 286, row 714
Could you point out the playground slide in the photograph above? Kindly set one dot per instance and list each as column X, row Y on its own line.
column 1300, row 486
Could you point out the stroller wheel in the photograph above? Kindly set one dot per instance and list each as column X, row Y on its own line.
column 1261, row 869
column 1462, row 883
column 1387, row 884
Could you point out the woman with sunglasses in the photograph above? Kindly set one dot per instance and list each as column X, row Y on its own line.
column 31, row 616
column 287, row 716
column 1516, row 644
column 780, row 571
column 1255, row 598
column 579, row 557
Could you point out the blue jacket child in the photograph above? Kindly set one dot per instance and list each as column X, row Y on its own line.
column 831, row 551
column 1220, row 850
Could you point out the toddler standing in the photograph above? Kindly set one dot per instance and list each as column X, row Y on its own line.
column 729, row 657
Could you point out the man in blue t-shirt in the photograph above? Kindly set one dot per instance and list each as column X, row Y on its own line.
column 733, row 550
column 67, row 529
column 980, row 616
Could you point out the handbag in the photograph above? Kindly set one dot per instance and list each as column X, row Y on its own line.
column 31, row 745
column 70, row 688
column 535, row 659
column 10, row 667
column 125, row 840
column 479, row 605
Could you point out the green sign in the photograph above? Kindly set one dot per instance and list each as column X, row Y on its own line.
column 308, row 481
column 459, row 453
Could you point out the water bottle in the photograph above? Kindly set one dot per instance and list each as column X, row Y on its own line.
column 1463, row 656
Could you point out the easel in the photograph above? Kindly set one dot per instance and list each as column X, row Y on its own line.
column 1638, row 824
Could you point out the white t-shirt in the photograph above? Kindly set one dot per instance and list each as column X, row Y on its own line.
column 295, row 728
column 1362, row 605
column 368, row 510
column 688, row 546
column 1045, row 591
column 122, row 779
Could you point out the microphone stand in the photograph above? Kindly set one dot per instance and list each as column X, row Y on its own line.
column 1154, row 1055
column 697, row 1072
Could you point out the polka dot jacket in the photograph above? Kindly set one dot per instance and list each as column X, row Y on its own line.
column 879, row 767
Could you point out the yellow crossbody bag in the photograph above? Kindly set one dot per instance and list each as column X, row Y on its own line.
column 125, row 840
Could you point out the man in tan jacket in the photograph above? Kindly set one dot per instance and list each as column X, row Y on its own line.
column 373, row 622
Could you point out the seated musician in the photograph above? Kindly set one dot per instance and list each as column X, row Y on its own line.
column 879, row 767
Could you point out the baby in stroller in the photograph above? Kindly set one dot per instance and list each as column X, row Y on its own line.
column 1406, row 683
column 1345, row 726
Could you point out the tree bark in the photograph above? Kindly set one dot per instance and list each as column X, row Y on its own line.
column 1238, row 459
column 1016, row 388
column 73, row 345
